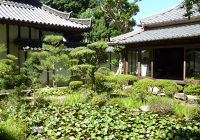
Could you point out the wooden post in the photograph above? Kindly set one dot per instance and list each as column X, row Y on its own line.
column 152, row 53
column 184, row 64
column 139, row 62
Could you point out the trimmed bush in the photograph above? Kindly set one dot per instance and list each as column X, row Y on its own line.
column 192, row 89
column 12, row 130
column 141, row 89
column 168, row 87
column 99, row 100
column 115, row 101
column 75, row 84
column 161, row 105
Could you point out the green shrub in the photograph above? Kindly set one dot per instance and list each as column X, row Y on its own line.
column 186, row 111
column 12, row 130
column 192, row 89
column 128, row 91
column 99, row 100
column 115, row 101
column 75, row 84
column 168, row 87
column 104, row 70
column 141, row 89
column 161, row 105
column 57, row 91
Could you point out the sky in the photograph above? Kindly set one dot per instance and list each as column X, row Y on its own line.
column 151, row 7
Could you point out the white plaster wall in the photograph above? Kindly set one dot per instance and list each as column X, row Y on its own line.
column 3, row 38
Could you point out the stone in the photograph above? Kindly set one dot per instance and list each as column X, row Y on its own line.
column 191, row 99
column 154, row 90
column 144, row 108
column 180, row 96
column 135, row 110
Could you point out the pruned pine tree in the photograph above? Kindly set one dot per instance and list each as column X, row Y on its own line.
column 53, row 53
column 89, row 59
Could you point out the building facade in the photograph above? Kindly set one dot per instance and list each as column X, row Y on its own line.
column 166, row 47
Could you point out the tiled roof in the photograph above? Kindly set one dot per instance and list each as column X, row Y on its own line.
column 159, row 33
column 32, row 11
column 171, row 15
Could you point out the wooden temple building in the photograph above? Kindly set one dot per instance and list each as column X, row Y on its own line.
column 166, row 47
column 24, row 24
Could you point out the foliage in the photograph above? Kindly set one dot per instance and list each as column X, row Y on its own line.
column 141, row 89
column 75, row 84
column 8, row 71
column 77, row 7
column 181, row 110
column 73, row 99
column 188, row 6
column 115, row 101
column 120, row 13
column 52, row 54
column 12, row 130
column 161, row 105
column 122, row 79
column 57, row 91
column 128, row 91
column 99, row 100
column 118, row 50
column 168, row 87
column 82, row 121
column 192, row 89
column 89, row 60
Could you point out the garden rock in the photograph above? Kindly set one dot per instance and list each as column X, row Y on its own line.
column 180, row 96
column 154, row 90
column 191, row 99
column 144, row 108
column 135, row 110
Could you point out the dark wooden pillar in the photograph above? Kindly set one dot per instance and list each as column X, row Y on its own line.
column 152, row 68
column 184, row 63
column 19, row 58
column 125, row 62
column 139, row 62
column 7, row 39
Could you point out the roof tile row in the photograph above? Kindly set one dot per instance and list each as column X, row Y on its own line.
column 31, row 11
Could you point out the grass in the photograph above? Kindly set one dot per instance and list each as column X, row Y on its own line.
column 12, row 130
column 72, row 99
column 185, row 111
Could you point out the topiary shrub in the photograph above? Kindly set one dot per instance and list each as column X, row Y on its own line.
column 99, row 100
column 128, row 91
column 141, row 89
column 115, row 101
column 161, row 105
column 104, row 70
column 75, row 84
column 192, row 89
column 168, row 87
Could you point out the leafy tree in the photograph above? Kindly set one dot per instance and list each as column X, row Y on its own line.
column 53, row 53
column 8, row 71
column 88, row 59
column 120, row 12
column 75, row 6
column 188, row 6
